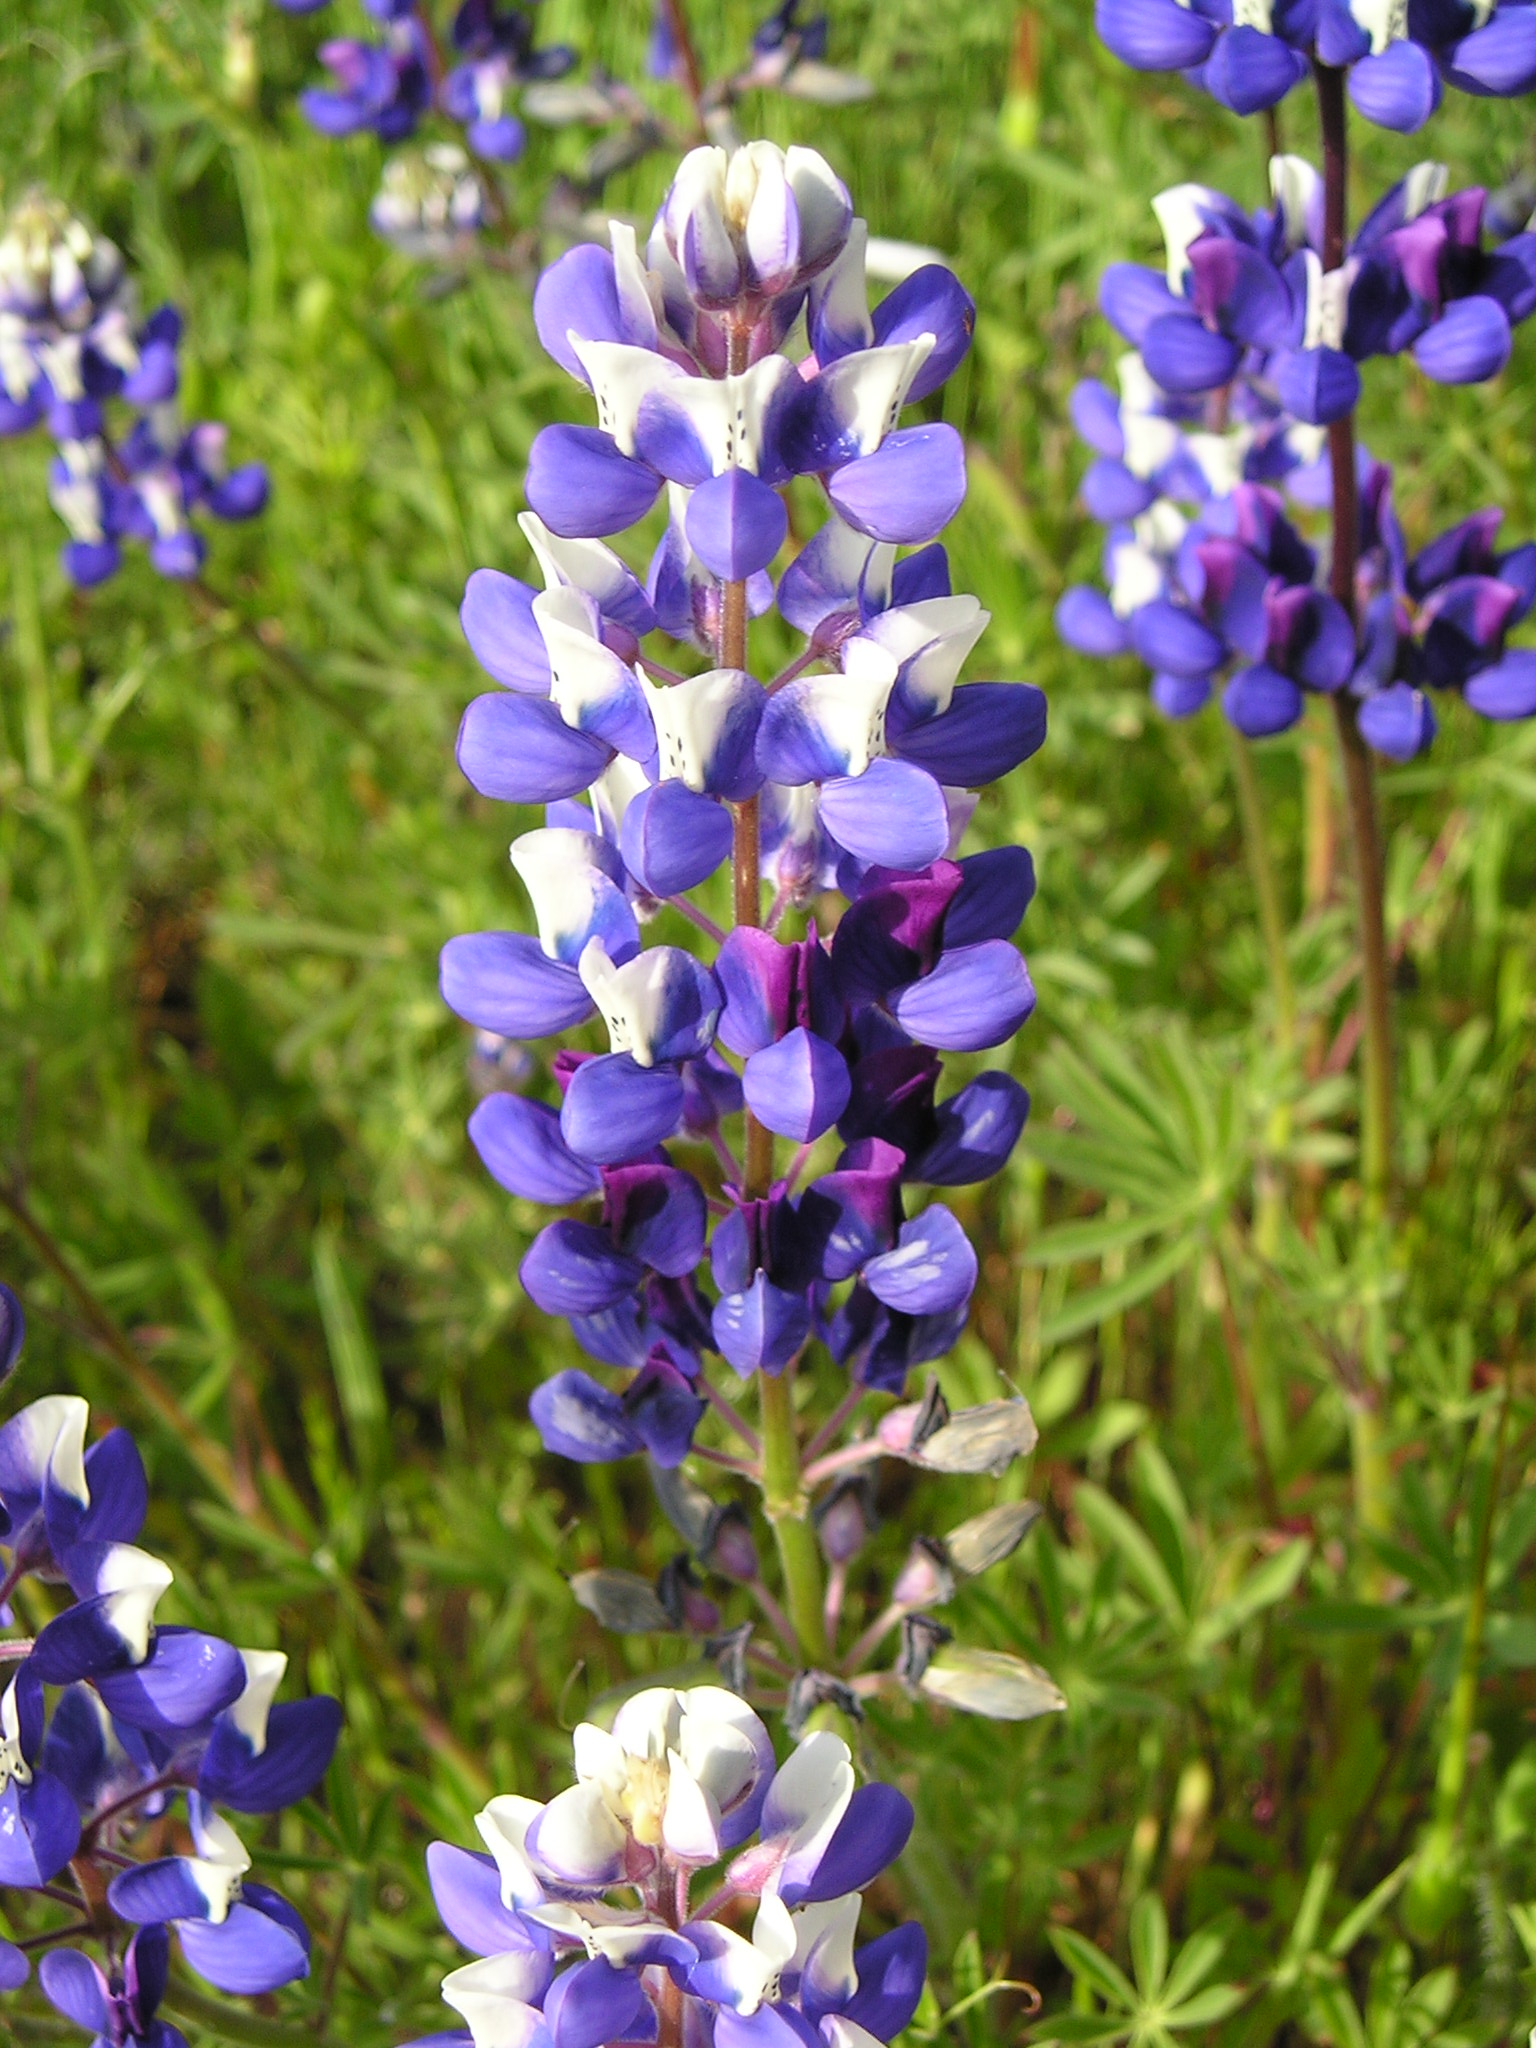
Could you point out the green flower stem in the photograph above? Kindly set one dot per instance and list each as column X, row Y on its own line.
column 788, row 1510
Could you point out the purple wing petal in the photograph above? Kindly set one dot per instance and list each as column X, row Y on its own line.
column 977, row 1131
column 893, row 815
column 576, row 1269
column 735, row 524
column 301, row 1740
column 1469, row 342
column 933, row 301
column 1508, row 689
column 908, row 490
column 187, row 1678
column 1260, row 701
column 762, row 1328
column 930, row 1271
column 253, row 1950
column 466, row 1888
column 504, row 981
column 580, row 1420
column 976, row 997
column 74, row 1984
column 1154, row 35
column 673, row 838
column 987, row 731
column 498, row 622
column 582, row 487
column 522, row 1147
column 616, row 1110
column 521, row 751
column 798, row 1087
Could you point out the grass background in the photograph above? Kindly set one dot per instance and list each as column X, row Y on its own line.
column 244, row 1217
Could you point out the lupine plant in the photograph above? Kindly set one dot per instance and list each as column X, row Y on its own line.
column 477, row 78
column 77, row 357
column 859, row 946
column 121, row 1738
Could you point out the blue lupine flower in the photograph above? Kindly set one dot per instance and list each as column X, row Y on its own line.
column 682, row 1779
column 1248, row 54
column 146, row 1712
column 70, row 345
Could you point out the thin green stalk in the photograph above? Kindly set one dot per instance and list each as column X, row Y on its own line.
column 1435, row 1888
column 787, row 1509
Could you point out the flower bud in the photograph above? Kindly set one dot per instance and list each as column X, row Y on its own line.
column 809, row 1690
column 983, row 1439
column 991, row 1683
column 925, row 1580
column 729, row 1548
column 844, row 1520
column 623, row 1602
column 986, row 1539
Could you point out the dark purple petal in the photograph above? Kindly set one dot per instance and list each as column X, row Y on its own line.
column 891, row 1972
column 615, row 1109
column 1260, row 701
column 301, row 1740
column 856, row 1209
column 580, row 1420
column 497, row 617
column 1508, row 689
column 1086, row 621
column 673, row 838
column 254, row 1950
column 933, row 301
column 574, row 1269
column 187, row 1678
column 118, row 1501
column 504, row 981
column 1154, row 35
column 735, row 524
column 582, row 487
column 1470, row 341
column 922, row 575
column 522, row 1147
column 987, row 731
column 1170, row 638
column 869, row 1837
column 976, row 997
column 798, row 1087
column 763, row 1327
column 1237, row 288
column 241, row 494
column 521, row 751
column 657, row 1215
column 977, row 1131
column 893, row 815
column 664, row 1411
column 996, row 888
column 930, row 1271
column 1182, row 354
column 908, row 490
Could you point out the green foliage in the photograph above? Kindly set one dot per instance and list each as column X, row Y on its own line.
column 238, row 1200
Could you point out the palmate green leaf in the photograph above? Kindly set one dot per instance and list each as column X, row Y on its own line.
column 1265, row 1586
column 1149, row 1945
column 1065, row 1243
column 1091, row 1966
column 1114, row 1529
column 1145, row 1178
column 1191, row 1966
column 1206, row 2009
column 1086, row 1311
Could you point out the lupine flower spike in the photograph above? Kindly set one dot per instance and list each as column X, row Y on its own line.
column 109, row 1717
column 690, row 1265
column 76, row 356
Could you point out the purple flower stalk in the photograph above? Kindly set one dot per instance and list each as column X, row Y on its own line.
column 72, row 347
column 692, row 1263
column 108, row 1717
column 581, row 1917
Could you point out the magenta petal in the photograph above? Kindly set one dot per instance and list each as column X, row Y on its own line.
column 908, row 490
column 735, row 524
column 498, row 622
column 975, row 998
column 505, row 982
column 799, row 1087
column 522, row 1147
column 893, row 815
column 673, row 838
column 521, row 751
